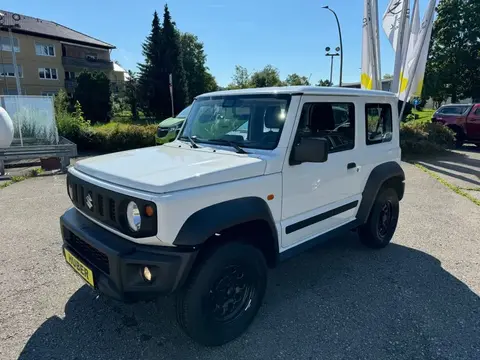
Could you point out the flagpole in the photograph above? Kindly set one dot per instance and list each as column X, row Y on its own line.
column 399, row 51
column 170, row 85
column 417, row 60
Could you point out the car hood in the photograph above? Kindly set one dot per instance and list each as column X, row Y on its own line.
column 162, row 169
column 171, row 122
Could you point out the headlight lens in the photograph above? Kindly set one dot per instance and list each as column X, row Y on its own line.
column 133, row 216
column 70, row 190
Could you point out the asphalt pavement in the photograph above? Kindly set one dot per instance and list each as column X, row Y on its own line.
column 416, row 299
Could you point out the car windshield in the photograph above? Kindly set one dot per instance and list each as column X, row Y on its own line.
column 250, row 121
column 184, row 113
column 454, row 110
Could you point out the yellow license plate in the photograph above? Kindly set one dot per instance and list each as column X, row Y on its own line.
column 79, row 267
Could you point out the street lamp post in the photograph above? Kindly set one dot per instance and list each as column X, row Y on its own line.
column 15, row 24
column 341, row 43
column 327, row 50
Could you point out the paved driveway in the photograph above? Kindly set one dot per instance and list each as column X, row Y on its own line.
column 416, row 299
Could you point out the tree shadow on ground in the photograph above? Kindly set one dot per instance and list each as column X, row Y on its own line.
column 337, row 301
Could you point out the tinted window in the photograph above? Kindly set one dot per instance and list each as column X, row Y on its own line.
column 477, row 112
column 332, row 121
column 378, row 118
column 453, row 110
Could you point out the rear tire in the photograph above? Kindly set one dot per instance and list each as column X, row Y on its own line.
column 382, row 221
column 223, row 294
column 459, row 139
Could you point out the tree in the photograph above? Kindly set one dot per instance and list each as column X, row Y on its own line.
column 295, row 79
column 324, row 83
column 240, row 79
column 132, row 93
column 199, row 80
column 173, row 62
column 454, row 61
column 388, row 77
column 268, row 76
column 152, row 85
column 94, row 95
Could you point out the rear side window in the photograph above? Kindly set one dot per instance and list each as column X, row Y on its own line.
column 477, row 112
column 379, row 127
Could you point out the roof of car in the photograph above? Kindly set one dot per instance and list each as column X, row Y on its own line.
column 302, row 90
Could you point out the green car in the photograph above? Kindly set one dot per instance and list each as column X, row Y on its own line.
column 168, row 129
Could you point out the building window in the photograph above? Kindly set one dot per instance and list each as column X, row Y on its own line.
column 378, row 118
column 47, row 73
column 5, row 44
column 7, row 70
column 45, row 49
column 69, row 75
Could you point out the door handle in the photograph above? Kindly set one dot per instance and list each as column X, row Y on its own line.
column 351, row 166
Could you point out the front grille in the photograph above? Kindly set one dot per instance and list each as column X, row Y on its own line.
column 87, row 252
column 162, row 132
column 109, row 207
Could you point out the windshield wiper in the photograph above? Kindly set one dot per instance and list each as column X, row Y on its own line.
column 190, row 139
column 231, row 143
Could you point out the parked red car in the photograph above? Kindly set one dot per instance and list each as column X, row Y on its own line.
column 463, row 119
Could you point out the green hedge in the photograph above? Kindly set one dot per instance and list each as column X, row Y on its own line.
column 421, row 138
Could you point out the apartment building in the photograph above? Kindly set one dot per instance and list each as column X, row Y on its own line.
column 50, row 56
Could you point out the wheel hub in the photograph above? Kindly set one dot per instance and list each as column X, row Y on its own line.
column 385, row 219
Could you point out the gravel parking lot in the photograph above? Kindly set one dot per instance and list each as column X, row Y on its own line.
column 416, row 299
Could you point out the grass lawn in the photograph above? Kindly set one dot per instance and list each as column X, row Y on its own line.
column 424, row 116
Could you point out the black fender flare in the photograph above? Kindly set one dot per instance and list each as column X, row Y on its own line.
column 379, row 175
column 201, row 225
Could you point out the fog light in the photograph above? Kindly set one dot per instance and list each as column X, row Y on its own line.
column 147, row 275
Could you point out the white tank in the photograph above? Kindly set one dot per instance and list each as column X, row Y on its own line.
column 6, row 129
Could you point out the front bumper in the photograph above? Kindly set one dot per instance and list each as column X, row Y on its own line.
column 117, row 263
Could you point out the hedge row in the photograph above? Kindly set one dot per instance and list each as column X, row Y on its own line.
column 416, row 138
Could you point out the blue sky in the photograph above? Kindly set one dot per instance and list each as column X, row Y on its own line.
column 290, row 35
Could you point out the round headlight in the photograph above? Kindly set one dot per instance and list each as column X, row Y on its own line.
column 70, row 190
column 133, row 216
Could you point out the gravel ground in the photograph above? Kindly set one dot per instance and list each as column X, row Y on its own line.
column 416, row 299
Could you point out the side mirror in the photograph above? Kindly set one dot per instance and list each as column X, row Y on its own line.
column 310, row 149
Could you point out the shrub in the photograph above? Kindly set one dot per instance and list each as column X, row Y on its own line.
column 417, row 138
column 71, row 125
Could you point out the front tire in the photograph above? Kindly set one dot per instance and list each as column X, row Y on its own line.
column 223, row 294
column 383, row 219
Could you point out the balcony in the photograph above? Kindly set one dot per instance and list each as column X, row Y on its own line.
column 91, row 64
column 70, row 86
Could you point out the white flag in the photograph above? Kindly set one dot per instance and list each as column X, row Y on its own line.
column 417, row 58
column 413, row 29
column 396, row 24
column 370, row 76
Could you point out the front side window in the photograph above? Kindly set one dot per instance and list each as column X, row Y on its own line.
column 48, row 73
column 378, row 119
column 250, row 121
column 332, row 121
column 7, row 70
column 5, row 44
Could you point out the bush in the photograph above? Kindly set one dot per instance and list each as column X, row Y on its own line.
column 417, row 138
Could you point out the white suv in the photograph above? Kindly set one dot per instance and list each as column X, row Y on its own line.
column 254, row 177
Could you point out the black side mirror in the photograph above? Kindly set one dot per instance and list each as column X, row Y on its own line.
column 310, row 149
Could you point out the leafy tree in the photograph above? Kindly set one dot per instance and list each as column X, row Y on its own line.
column 295, row 79
column 240, row 79
column 152, row 84
column 268, row 76
column 453, row 65
column 132, row 93
column 199, row 80
column 324, row 83
column 387, row 76
column 94, row 94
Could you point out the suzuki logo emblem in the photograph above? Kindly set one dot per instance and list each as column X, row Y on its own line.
column 89, row 201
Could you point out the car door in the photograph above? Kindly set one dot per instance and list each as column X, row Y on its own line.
column 318, row 197
column 473, row 123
